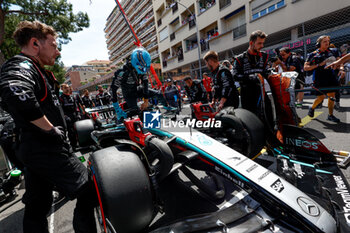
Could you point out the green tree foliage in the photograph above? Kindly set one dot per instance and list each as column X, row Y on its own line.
column 58, row 70
column 57, row 13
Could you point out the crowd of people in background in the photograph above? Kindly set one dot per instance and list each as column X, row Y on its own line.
column 230, row 79
column 230, row 82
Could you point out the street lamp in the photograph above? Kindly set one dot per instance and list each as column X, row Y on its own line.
column 198, row 38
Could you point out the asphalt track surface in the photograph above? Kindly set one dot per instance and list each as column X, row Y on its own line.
column 334, row 136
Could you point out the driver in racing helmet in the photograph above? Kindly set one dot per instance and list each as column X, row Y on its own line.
column 132, row 79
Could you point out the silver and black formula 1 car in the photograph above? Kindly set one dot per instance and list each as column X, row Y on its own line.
column 171, row 180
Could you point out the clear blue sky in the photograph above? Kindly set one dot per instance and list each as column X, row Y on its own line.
column 90, row 43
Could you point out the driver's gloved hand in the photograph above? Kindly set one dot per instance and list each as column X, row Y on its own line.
column 58, row 132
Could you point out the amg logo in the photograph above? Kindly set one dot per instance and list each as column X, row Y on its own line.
column 277, row 185
column 313, row 145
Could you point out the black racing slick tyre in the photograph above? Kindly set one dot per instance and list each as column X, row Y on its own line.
column 124, row 189
column 255, row 129
column 163, row 154
column 244, row 129
column 83, row 130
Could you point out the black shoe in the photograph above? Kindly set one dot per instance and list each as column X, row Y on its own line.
column 311, row 112
column 333, row 118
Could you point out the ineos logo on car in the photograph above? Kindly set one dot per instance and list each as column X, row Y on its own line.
column 308, row 206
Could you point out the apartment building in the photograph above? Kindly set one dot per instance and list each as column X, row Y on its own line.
column 120, row 41
column 78, row 75
column 225, row 26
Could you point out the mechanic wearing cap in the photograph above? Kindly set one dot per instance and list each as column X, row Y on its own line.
column 133, row 81
column 225, row 91
column 29, row 93
column 316, row 62
column 195, row 90
column 171, row 94
column 253, row 61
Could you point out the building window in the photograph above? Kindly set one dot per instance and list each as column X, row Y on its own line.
column 172, row 36
column 264, row 7
column 239, row 31
column 163, row 34
column 272, row 8
column 224, row 3
column 280, row 4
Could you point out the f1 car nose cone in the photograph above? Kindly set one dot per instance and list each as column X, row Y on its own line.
column 308, row 206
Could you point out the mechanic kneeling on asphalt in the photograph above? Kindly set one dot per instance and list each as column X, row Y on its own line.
column 29, row 94
column 225, row 91
column 69, row 106
column 195, row 90
column 133, row 81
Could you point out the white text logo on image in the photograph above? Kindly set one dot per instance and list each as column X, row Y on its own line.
column 151, row 120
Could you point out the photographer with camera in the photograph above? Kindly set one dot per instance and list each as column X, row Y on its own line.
column 316, row 62
column 291, row 62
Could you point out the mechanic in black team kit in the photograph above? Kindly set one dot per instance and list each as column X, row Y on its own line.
column 225, row 91
column 86, row 99
column 248, row 63
column 29, row 94
column 132, row 79
column 195, row 90
column 102, row 97
column 316, row 62
column 69, row 106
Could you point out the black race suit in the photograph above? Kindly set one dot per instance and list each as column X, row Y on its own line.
column 245, row 65
column 28, row 93
column 133, row 86
column 196, row 93
column 224, row 86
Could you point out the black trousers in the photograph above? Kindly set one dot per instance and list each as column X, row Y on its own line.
column 70, row 120
column 251, row 98
column 49, row 163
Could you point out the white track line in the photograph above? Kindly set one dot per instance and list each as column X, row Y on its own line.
column 52, row 219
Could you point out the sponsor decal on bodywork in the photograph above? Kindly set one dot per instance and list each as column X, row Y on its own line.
column 277, row 185
column 344, row 193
